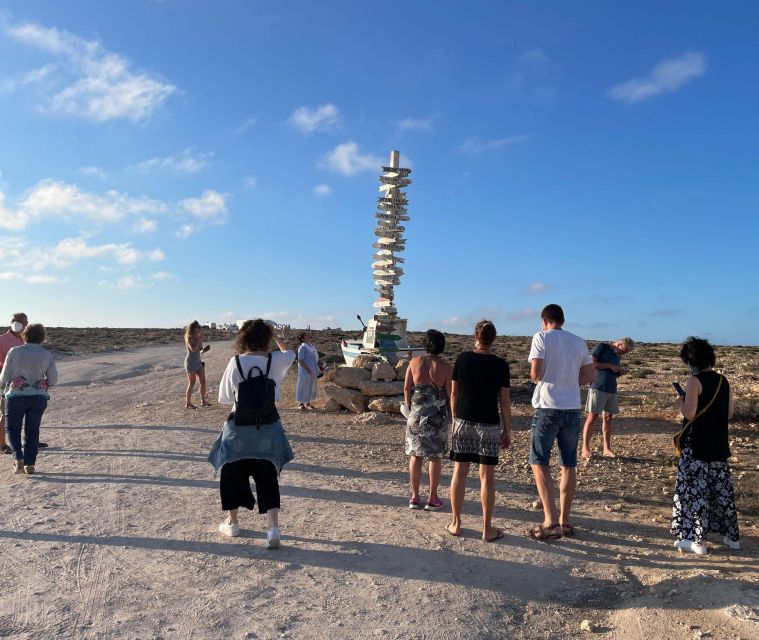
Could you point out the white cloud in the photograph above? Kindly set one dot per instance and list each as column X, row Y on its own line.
column 18, row 256
column 51, row 198
column 531, row 77
column 415, row 124
column 186, row 162
column 41, row 278
column 71, row 250
column 251, row 182
column 523, row 314
column 145, row 225
column 28, row 78
column 322, row 190
column 476, row 146
column 537, row 287
column 98, row 85
column 210, row 206
column 95, row 172
column 497, row 315
column 667, row 76
column 347, row 159
column 124, row 282
column 243, row 127
column 162, row 275
column 37, row 278
column 535, row 58
column 185, row 231
column 322, row 118
column 59, row 200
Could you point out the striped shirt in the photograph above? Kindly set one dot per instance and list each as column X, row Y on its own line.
column 28, row 371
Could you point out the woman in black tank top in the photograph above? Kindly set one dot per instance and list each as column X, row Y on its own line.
column 704, row 500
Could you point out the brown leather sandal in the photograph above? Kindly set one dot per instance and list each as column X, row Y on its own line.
column 541, row 533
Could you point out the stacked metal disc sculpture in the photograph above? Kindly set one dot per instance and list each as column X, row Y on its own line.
column 391, row 211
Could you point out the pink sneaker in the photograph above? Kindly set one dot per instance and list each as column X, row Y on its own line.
column 434, row 505
column 413, row 503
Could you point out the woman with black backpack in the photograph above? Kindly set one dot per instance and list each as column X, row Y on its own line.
column 253, row 442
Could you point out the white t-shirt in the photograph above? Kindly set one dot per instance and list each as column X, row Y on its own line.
column 563, row 355
column 280, row 363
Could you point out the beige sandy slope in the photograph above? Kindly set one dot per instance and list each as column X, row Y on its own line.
column 116, row 536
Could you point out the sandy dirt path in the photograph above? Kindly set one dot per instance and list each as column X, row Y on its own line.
column 116, row 537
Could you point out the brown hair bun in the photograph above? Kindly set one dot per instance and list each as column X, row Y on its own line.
column 484, row 332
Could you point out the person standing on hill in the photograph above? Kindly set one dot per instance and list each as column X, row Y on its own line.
column 480, row 387
column 11, row 338
column 27, row 374
column 602, row 395
column 704, row 500
column 308, row 372
column 193, row 365
column 253, row 442
column 426, row 390
column 559, row 364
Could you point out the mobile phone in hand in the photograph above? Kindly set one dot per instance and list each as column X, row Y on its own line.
column 680, row 391
column 206, row 348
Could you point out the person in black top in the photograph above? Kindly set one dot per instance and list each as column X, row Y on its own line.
column 479, row 388
column 704, row 500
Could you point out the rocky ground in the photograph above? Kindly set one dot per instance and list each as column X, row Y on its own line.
column 116, row 536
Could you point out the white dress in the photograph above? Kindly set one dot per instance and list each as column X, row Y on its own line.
column 305, row 389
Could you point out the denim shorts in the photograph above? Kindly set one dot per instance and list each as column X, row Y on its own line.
column 555, row 424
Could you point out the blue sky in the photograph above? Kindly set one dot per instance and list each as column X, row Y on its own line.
column 164, row 161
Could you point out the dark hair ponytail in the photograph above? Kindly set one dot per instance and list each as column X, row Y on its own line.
column 484, row 333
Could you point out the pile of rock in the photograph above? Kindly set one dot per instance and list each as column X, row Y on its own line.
column 370, row 384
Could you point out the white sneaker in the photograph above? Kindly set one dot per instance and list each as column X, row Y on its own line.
column 735, row 545
column 273, row 538
column 18, row 466
column 230, row 529
column 693, row 547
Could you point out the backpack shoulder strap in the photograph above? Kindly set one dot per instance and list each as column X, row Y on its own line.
column 239, row 367
column 268, row 365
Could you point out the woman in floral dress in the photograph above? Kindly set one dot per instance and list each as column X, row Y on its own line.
column 704, row 500
column 426, row 392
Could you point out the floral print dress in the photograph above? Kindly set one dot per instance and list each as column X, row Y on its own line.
column 427, row 424
column 704, row 500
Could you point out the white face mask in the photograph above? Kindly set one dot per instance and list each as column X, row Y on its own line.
column 16, row 326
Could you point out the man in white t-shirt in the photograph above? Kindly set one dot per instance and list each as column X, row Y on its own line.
column 560, row 363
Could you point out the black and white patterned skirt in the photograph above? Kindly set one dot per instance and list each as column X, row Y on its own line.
column 704, row 500
column 478, row 442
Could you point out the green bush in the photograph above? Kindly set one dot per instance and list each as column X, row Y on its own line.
column 641, row 373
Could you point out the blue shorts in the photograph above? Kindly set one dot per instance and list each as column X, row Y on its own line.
column 555, row 424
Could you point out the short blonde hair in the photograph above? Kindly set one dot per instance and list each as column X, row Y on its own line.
column 628, row 342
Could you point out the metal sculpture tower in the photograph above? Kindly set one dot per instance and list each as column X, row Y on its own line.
column 391, row 211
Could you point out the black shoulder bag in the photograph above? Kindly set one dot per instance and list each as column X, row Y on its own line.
column 254, row 404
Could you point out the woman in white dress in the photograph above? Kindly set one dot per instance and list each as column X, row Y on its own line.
column 308, row 372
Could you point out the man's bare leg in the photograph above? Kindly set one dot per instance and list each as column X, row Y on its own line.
column 547, row 492
column 606, row 428
column 587, row 434
column 567, row 493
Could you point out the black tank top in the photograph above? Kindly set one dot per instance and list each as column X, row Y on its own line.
column 708, row 434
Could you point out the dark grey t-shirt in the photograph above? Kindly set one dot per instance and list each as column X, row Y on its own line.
column 606, row 379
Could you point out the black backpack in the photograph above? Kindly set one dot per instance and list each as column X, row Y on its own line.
column 255, row 397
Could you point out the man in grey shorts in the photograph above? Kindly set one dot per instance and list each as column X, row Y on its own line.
column 602, row 395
